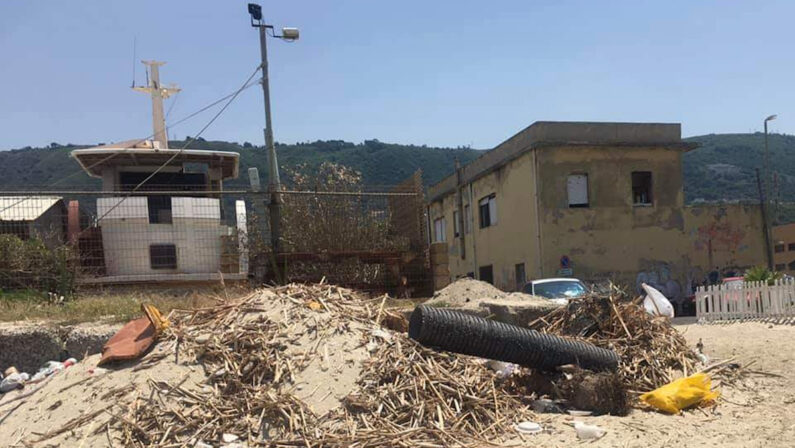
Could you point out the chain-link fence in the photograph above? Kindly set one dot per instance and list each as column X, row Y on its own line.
column 57, row 241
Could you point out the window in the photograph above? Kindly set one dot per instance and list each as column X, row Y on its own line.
column 159, row 209
column 781, row 267
column 521, row 278
column 778, row 248
column 791, row 246
column 438, row 230
column 163, row 256
column 456, row 224
column 486, row 274
column 488, row 211
column 641, row 188
column 791, row 266
column 467, row 219
column 577, row 188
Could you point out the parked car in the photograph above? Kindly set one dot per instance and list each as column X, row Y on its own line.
column 560, row 290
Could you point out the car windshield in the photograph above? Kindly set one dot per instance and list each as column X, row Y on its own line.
column 559, row 290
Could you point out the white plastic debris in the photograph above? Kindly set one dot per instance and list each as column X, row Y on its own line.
column 502, row 369
column 528, row 427
column 587, row 432
column 13, row 381
column 381, row 333
column 656, row 303
column 229, row 438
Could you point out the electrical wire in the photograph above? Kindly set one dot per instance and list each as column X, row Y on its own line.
column 229, row 97
column 181, row 150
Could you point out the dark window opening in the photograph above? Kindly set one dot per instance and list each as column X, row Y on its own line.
column 792, row 266
column 791, row 246
column 781, row 267
column 163, row 181
column 486, row 274
column 521, row 277
column 641, row 188
column 778, row 248
column 159, row 209
column 488, row 211
column 163, row 256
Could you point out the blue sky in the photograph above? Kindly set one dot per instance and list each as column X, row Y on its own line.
column 442, row 73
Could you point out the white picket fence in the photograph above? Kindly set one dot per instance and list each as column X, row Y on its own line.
column 749, row 300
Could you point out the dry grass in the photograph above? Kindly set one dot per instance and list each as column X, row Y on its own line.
column 119, row 304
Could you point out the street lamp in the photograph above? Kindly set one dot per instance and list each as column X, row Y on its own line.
column 766, row 205
column 274, row 183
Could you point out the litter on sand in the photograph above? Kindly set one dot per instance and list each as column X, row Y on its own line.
column 681, row 394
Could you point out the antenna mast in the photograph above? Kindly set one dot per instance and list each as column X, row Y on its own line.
column 158, row 93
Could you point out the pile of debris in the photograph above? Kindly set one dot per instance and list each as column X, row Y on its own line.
column 310, row 365
column 652, row 351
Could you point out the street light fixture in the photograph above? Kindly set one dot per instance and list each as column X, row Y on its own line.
column 274, row 183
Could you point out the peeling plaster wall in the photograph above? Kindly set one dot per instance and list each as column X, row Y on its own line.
column 784, row 234
column 611, row 238
column 511, row 241
column 667, row 245
column 724, row 240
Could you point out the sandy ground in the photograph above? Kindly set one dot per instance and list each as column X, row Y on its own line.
column 758, row 411
column 83, row 390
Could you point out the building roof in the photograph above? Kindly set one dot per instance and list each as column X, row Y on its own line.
column 146, row 153
column 548, row 134
column 25, row 208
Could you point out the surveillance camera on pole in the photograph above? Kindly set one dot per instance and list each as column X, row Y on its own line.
column 274, row 183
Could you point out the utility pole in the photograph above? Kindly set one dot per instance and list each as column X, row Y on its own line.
column 274, row 182
column 765, row 223
column 766, row 199
column 158, row 93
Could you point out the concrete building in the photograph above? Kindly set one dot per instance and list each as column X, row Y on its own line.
column 171, row 227
column 784, row 248
column 595, row 201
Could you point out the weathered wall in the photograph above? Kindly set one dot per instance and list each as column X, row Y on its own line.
column 723, row 240
column 783, row 257
column 612, row 238
column 503, row 245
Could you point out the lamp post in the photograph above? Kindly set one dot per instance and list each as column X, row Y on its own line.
column 766, row 205
column 274, row 183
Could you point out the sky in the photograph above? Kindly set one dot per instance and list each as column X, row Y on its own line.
column 441, row 73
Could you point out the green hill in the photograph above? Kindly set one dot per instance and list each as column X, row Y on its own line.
column 721, row 169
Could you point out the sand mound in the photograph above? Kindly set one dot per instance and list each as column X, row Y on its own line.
column 465, row 293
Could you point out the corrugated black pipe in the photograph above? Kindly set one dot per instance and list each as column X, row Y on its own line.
column 459, row 332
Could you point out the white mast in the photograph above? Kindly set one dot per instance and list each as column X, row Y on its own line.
column 158, row 93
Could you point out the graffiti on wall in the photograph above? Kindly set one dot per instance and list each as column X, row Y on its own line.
column 658, row 275
column 719, row 235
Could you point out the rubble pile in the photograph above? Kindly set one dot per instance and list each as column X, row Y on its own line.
column 652, row 351
column 310, row 365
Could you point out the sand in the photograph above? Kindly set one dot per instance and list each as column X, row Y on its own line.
column 758, row 411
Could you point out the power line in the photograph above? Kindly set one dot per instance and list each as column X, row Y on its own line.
column 230, row 97
column 181, row 150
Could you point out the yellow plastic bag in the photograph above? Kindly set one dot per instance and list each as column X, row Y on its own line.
column 681, row 394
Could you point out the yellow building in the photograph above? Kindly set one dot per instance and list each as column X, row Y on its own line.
column 595, row 201
column 784, row 248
